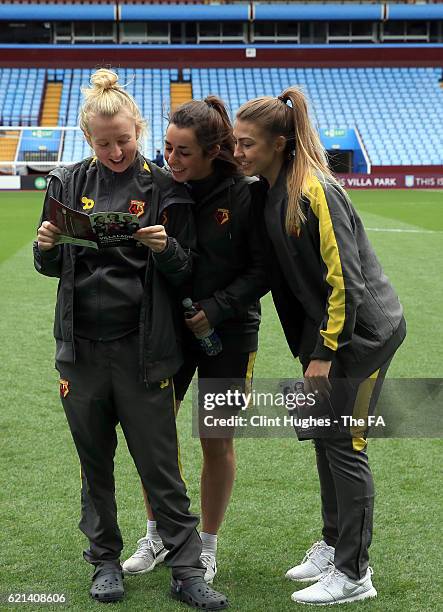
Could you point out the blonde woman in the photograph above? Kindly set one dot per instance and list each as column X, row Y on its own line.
column 116, row 335
column 341, row 317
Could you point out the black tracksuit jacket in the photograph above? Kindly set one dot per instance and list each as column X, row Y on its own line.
column 229, row 272
column 329, row 289
column 165, row 202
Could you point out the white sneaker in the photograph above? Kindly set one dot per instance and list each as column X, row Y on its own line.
column 335, row 588
column 146, row 557
column 210, row 564
column 316, row 562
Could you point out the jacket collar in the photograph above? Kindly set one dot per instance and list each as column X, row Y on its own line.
column 279, row 190
column 219, row 188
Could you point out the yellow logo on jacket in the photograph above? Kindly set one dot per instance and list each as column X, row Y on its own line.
column 87, row 203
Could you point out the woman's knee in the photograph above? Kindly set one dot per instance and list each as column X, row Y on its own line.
column 217, row 448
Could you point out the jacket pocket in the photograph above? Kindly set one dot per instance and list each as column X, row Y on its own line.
column 370, row 320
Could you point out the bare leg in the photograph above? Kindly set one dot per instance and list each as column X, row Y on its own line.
column 217, row 480
column 147, row 506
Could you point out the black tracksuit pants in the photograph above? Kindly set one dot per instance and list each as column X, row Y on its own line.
column 99, row 391
column 346, row 483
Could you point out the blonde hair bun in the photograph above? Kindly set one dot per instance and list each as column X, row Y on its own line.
column 104, row 79
column 106, row 97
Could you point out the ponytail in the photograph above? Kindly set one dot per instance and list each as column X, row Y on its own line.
column 309, row 156
column 288, row 116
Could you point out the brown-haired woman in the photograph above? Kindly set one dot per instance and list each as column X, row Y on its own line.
column 341, row 318
column 228, row 279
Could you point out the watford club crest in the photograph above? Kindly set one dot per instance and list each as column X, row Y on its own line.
column 136, row 207
column 222, row 215
column 64, row 387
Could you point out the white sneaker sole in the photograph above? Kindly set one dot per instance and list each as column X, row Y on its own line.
column 310, row 579
column 366, row 595
column 157, row 560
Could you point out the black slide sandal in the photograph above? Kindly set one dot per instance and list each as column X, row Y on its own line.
column 197, row 594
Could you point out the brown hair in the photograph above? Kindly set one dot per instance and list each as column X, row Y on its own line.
column 210, row 121
column 107, row 97
column 303, row 145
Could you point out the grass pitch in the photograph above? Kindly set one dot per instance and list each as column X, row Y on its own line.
column 274, row 514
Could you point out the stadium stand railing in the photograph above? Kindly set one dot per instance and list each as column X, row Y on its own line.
column 247, row 22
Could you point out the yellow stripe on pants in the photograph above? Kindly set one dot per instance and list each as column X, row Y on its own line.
column 361, row 410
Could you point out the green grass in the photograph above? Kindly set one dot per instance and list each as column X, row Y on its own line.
column 417, row 208
column 20, row 213
column 274, row 513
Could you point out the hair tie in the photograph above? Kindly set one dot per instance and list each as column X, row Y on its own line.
column 286, row 101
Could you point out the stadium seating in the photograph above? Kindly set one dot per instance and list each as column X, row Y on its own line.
column 395, row 110
column 22, row 90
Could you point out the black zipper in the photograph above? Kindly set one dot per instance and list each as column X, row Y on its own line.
column 145, row 346
column 108, row 208
column 111, row 191
column 145, row 304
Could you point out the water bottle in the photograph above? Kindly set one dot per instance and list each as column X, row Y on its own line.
column 210, row 342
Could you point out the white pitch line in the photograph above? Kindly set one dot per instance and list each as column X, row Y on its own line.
column 401, row 231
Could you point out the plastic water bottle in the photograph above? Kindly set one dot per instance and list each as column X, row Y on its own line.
column 209, row 342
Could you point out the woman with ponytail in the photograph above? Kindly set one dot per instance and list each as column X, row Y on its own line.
column 341, row 317
column 228, row 280
column 117, row 328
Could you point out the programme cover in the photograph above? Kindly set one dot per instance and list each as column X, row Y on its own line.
column 98, row 230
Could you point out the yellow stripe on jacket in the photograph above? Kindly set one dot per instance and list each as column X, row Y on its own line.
column 330, row 255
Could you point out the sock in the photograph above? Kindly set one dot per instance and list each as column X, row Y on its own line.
column 151, row 531
column 209, row 543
